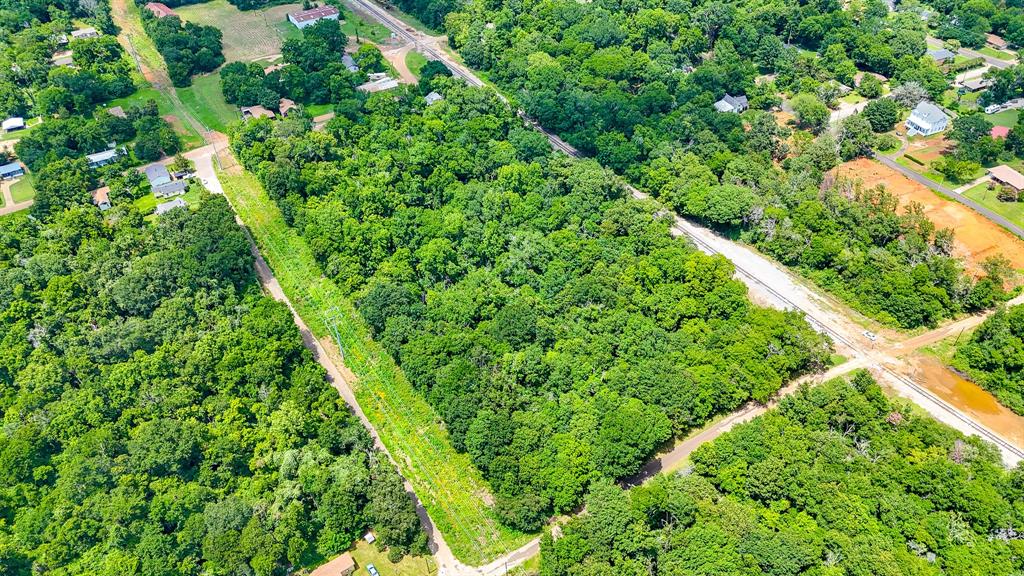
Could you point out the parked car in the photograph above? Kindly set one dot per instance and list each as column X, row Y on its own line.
column 372, row 570
column 870, row 335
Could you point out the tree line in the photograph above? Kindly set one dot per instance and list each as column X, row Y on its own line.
column 162, row 417
column 838, row 480
column 187, row 48
column 553, row 322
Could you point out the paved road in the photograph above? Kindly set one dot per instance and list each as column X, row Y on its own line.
column 946, row 191
column 991, row 61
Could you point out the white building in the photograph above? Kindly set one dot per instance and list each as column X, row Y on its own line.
column 926, row 119
column 309, row 17
column 731, row 104
column 12, row 124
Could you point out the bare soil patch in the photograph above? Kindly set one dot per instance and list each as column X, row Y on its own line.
column 977, row 238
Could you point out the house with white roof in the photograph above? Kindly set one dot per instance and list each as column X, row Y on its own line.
column 168, row 206
column 312, row 16
column 13, row 124
column 926, row 119
column 732, row 104
column 103, row 158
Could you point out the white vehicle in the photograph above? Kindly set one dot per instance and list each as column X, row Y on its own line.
column 870, row 335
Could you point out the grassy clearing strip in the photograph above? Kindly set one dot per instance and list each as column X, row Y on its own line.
column 415, row 62
column 447, row 483
column 205, row 100
column 189, row 137
column 1012, row 211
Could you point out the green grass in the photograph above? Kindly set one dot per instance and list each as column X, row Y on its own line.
column 205, row 100
column 287, row 31
column 853, row 98
column 24, row 189
column 14, row 217
column 248, row 34
column 415, row 62
column 408, row 18
column 315, row 110
column 168, row 108
column 990, row 51
column 934, row 175
column 147, row 204
column 448, row 485
column 356, row 25
column 365, row 554
column 1006, row 118
column 1012, row 211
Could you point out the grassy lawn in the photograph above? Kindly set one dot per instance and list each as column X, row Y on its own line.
column 319, row 109
column 451, row 489
column 23, row 189
column 1012, row 211
column 415, row 62
column 356, row 25
column 853, row 98
column 934, row 175
column 365, row 554
column 990, row 51
column 1006, row 118
column 248, row 34
column 205, row 99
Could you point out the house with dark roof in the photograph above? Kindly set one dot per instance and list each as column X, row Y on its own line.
column 732, row 104
column 312, row 16
column 941, row 55
column 157, row 174
column 172, row 188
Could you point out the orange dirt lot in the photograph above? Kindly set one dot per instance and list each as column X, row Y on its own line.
column 977, row 238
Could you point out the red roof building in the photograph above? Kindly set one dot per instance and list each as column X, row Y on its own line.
column 1000, row 132
column 160, row 10
column 312, row 16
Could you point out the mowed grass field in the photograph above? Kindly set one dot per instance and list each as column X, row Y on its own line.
column 249, row 34
column 1012, row 211
column 451, row 489
column 205, row 99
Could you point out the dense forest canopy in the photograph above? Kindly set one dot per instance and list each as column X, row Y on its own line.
column 161, row 416
column 554, row 324
column 994, row 357
column 837, row 481
column 634, row 86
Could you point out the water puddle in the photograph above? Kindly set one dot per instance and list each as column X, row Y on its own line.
column 969, row 398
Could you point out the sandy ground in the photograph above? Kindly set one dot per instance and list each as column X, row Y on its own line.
column 976, row 237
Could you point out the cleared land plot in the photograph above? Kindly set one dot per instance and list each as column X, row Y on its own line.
column 977, row 237
column 1013, row 211
column 446, row 482
column 248, row 35
column 928, row 150
column 205, row 99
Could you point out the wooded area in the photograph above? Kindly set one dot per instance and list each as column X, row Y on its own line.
column 634, row 86
column 187, row 48
column 552, row 322
column 838, row 480
column 161, row 416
